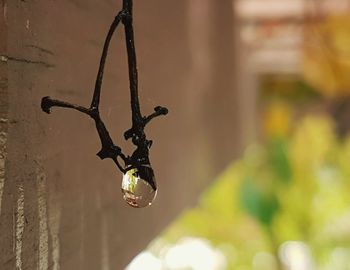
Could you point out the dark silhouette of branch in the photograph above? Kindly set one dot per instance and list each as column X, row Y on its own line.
column 136, row 132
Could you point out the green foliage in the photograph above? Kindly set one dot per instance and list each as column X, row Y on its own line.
column 279, row 161
column 292, row 188
column 259, row 204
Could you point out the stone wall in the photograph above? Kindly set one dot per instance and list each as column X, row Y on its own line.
column 61, row 207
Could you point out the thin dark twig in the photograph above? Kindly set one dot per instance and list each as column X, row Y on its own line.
column 136, row 133
column 97, row 93
column 109, row 149
column 133, row 76
column 47, row 103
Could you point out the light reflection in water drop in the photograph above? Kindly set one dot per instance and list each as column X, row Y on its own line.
column 139, row 186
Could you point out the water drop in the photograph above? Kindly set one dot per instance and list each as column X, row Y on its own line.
column 138, row 186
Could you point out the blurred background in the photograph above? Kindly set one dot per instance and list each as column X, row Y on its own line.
column 252, row 162
column 284, row 202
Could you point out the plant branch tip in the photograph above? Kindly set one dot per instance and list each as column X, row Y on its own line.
column 161, row 110
column 46, row 104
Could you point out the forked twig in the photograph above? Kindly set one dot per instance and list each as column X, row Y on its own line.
column 139, row 122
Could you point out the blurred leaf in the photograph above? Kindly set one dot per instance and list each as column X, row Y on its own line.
column 260, row 205
column 279, row 160
column 277, row 119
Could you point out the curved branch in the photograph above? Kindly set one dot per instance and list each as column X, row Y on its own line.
column 97, row 92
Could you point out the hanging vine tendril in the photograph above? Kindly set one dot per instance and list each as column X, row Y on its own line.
column 138, row 185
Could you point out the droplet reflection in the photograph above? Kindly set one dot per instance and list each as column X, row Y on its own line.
column 139, row 186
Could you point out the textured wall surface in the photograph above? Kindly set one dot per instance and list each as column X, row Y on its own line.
column 60, row 206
